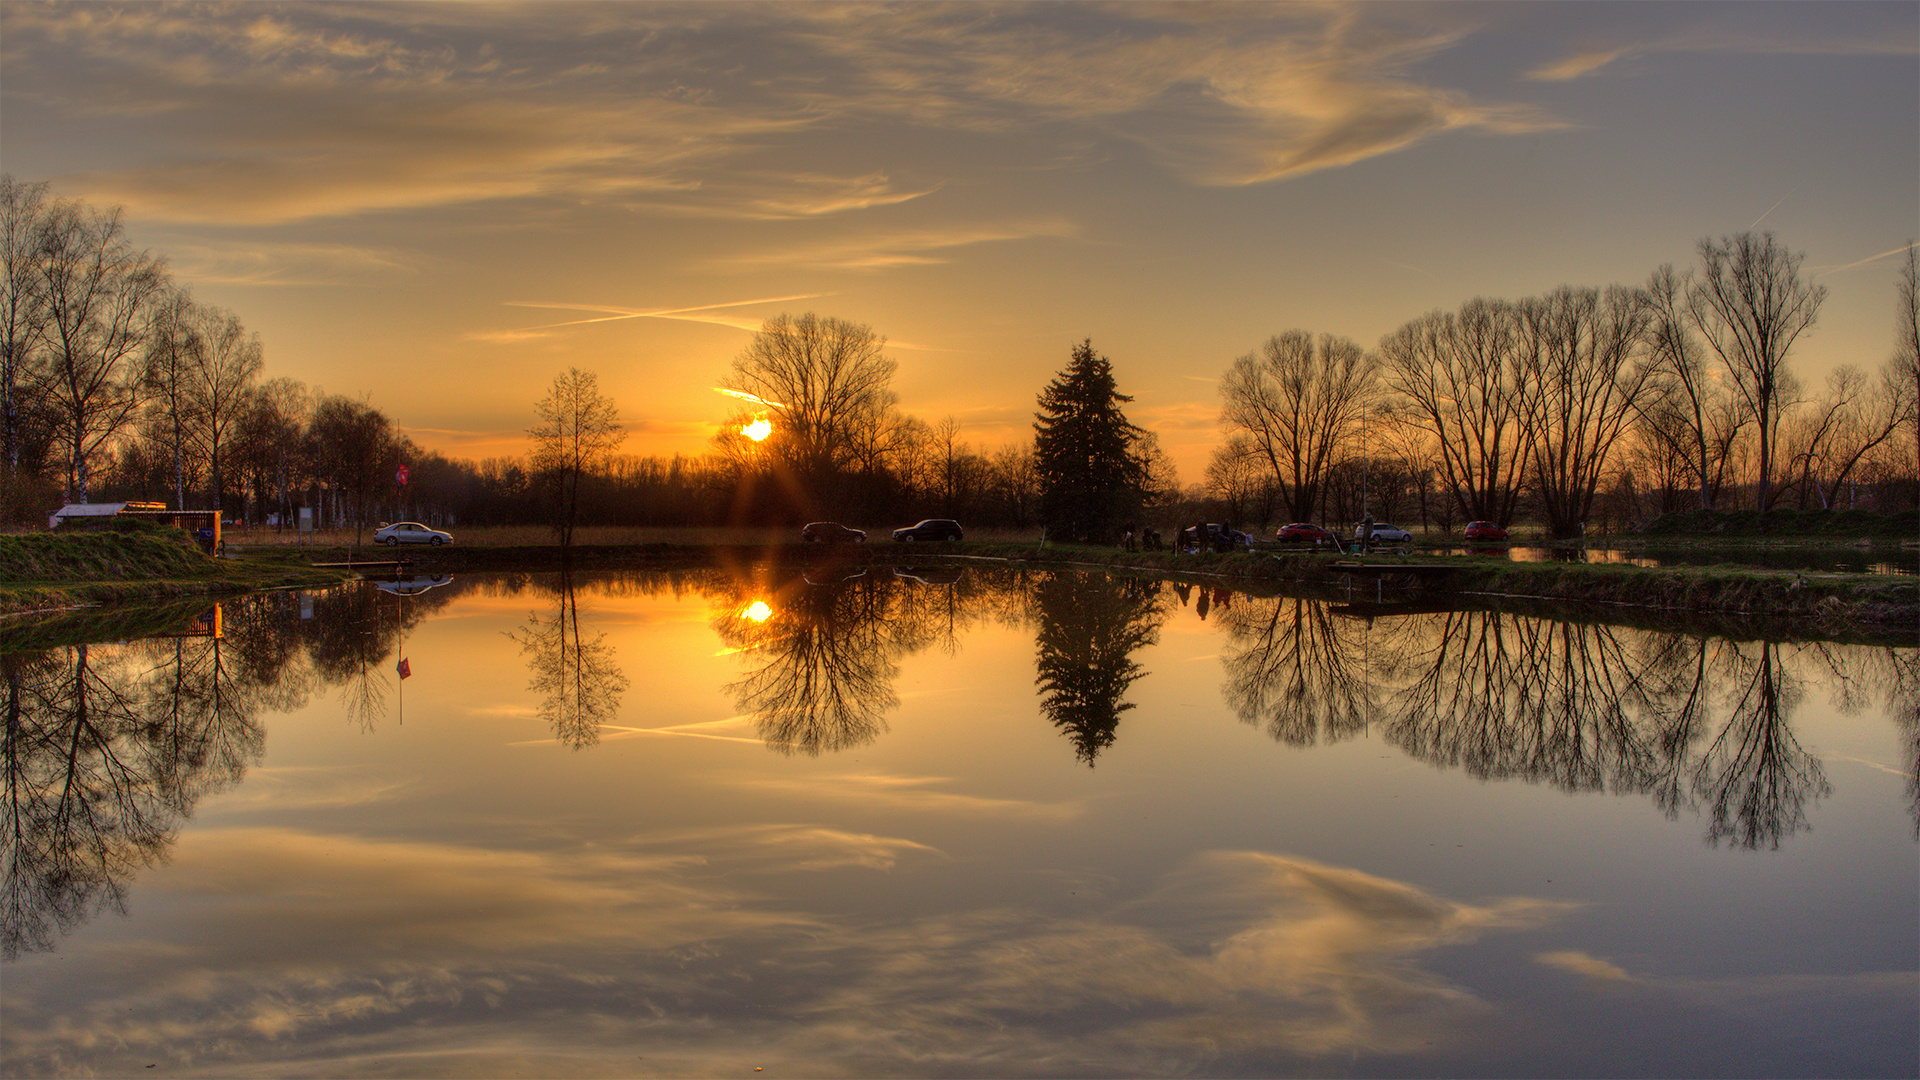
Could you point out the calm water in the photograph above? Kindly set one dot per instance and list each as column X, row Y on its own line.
column 951, row 824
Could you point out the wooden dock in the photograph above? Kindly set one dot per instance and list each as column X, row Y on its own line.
column 1413, row 569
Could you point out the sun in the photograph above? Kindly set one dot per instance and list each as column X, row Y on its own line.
column 758, row 611
column 758, row 430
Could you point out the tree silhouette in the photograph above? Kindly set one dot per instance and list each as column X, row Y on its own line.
column 1089, row 629
column 579, row 683
column 1296, row 670
column 1755, row 776
column 825, row 659
column 106, row 750
column 1093, row 478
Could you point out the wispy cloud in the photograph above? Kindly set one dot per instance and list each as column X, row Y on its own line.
column 1746, row 38
column 704, row 313
column 885, row 251
column 320, row 111
column 1582, row 964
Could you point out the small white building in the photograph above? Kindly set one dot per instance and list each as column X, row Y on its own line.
column 93, row 511
column 202, row 525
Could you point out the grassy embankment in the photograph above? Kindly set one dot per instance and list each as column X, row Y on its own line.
column 41, row 571
column 38, row 571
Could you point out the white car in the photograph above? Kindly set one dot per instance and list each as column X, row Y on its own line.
column 410, row 532
column 1384, row 533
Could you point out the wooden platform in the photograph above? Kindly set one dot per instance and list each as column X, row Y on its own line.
column 350, row 565
column 1415, row 569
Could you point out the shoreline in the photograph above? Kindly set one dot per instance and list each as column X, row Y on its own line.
column 1728, row 598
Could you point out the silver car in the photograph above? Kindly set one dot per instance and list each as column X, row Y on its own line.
column 410, row 532
column 1384, row 533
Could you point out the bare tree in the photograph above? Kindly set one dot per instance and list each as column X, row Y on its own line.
column 354, row 452
column 224, row 362
column 1462, row 379
column 1590, row 369
column 23, row 218
column 1238, row 475
column 827, row 378
column 169, row 410
column 1693, row 413
column 1750, row 304
column 1853, row 418
column 1303, row 404
column 578, row 432
column 99, row 295
column 1904, row 367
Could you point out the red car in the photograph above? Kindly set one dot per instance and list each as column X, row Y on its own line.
column 1301, row 531
column 1485, row 530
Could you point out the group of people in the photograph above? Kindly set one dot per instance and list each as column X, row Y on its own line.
column 1201, row 536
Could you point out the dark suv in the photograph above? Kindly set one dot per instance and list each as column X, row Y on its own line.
column 930, row 529
column 831, row 532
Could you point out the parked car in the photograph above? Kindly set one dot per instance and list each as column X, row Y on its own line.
column 1212, row 537
column 930, row 529
column 1485, row 530
column 1384, row 533
column 1301, row 532
column 831, row 532
column 410, row 532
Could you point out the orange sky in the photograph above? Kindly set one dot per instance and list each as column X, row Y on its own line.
column 441, row 206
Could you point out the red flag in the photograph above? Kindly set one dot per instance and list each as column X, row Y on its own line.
column 404, row 668
column 400, row 476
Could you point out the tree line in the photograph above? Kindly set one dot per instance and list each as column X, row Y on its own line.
column 1675, row 394
column 1621, row 402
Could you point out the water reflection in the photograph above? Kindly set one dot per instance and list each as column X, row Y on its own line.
column 1296, row 672
column 109, row 746
column 1089, row 629
column 1695, row 724
column 822, row 651
column 576, row 677
column 107, row 750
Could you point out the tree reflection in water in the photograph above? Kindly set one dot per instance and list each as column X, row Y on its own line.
column 1697, row 724
column 107, row 750
column 1755, row 777
column 579, row 684
column 1294, row 671
column 822, row 650
column 822, row 655
column 1089, row 628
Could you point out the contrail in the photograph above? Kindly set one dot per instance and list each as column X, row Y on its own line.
column 689, row 314
column 1901, row 250
column 1776, row 206
column 755, row 398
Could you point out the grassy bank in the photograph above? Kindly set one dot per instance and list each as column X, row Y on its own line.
column 40, row 571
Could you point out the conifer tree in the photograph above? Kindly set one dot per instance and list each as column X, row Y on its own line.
column 1093, row 477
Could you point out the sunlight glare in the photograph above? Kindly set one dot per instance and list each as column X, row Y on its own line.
column 758, row 611
column 758, row 430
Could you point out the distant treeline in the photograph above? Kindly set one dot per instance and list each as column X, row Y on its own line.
column 1581, row 409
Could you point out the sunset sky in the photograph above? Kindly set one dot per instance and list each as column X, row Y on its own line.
column 441, row 206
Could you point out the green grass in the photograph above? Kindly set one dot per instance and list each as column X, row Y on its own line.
column 137, row 562
column 1788, row 525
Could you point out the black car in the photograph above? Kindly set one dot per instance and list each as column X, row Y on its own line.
column 831, row 532
column 930, row 529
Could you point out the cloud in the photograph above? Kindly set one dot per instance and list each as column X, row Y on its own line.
column 244, row 116
column 1591, row 967
column 885, row 251
column 704, row 313
column 1579, row 64
column 1767, row 31
column 464, row 961
column 255, row 262
column 912, row 793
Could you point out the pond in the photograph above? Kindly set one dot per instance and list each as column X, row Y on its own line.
column 949, row 822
